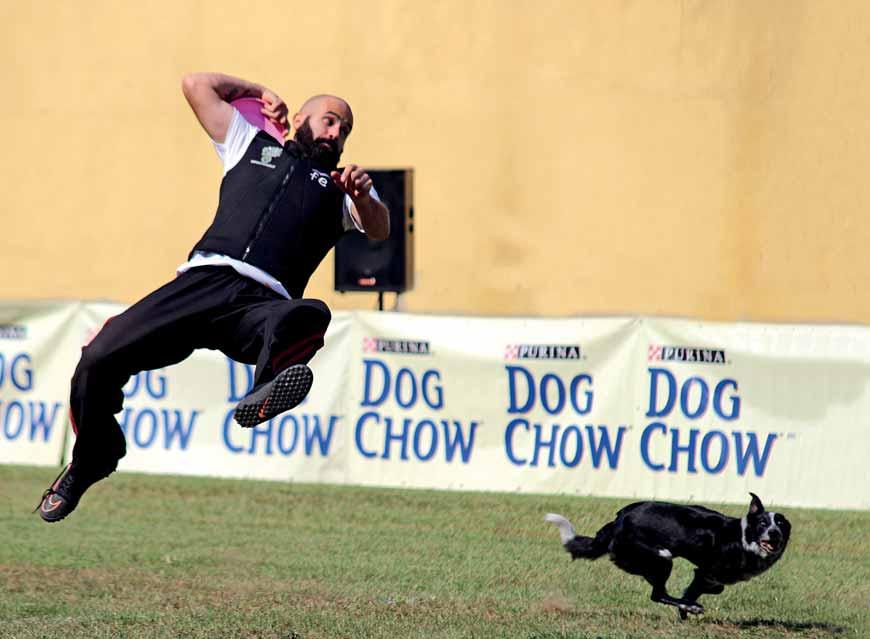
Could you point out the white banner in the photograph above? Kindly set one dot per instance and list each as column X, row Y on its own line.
column 37, row 357
column 622, row 407
column 645, row 408
column 782, row 410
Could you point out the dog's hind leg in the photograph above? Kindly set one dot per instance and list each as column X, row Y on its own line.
column 653, row 565
column 701, row 585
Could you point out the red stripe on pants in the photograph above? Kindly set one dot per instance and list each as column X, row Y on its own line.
column 297, row 352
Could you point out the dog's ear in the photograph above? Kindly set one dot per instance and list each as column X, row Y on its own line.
column 755, row 506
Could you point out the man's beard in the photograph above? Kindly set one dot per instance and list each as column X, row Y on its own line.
column 321, row 151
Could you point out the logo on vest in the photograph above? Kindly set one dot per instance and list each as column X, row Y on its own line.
column 268, row 155
column 320, row 177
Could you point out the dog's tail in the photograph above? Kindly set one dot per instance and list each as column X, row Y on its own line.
column 578, row 545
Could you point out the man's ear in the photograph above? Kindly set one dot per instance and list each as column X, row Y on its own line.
column 755, row 506
column 297, row 120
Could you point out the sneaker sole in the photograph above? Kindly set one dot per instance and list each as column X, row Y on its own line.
column 285, row 392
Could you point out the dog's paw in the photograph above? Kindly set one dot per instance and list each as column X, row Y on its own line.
column 690, row 608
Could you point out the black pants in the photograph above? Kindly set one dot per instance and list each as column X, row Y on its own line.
column 206, row 307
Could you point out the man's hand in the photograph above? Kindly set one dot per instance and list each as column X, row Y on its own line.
column 354, row 181
column 274, row 108
column 370, row 213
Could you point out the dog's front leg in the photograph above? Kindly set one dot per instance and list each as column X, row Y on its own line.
column 701, row 585
column 654, row 565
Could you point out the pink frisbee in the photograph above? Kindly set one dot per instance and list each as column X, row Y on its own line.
column 250, row 110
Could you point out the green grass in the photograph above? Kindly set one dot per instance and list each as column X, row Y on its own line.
column 151, row 556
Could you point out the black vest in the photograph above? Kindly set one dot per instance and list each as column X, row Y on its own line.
column 277, row 211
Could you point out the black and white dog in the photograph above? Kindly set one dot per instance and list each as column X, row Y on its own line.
column 646, row 536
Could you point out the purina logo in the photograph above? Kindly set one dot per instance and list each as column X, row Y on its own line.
column 403, row 346
column 12, row 331
column 659, row 353
column 542, row 351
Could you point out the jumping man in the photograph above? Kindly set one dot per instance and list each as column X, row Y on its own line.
column 281, row 209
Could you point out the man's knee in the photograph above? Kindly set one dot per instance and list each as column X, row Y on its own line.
column 96, row 372
column 306, row 317
column 320, row 314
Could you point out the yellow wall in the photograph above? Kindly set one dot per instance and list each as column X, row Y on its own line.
column 695, row 158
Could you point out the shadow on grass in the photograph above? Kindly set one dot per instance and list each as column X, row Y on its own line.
column 793, row 626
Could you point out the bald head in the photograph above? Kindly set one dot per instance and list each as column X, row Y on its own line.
column 322, row 125
column 318, row 105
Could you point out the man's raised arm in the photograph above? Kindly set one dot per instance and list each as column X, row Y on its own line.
column 209, row 95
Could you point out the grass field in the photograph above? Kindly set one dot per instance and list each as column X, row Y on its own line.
column 148, row 556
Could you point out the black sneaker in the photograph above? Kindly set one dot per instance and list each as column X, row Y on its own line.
column 281, row 394
column 61, row 498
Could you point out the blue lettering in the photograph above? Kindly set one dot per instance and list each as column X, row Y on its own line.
column 143, row 425
column 750, row 453
column 568, row 445
column 512, row 389
column 143, row 434
column 540, row 443
column 423, row 442
column 438, row 402
column 734, row 412
column 261, row 431
column 604, row 446
column 39, row 422
column 456, row 439
column 124, row 419
column 131, row 387
column 22, row 379
column 241, row 383
column 177, row 429
column 288, row 418
column 370, row 367
column 578, row 446
column 654, row 374
column 405, row 373
column 401, row 436
column 705, row 451
column 227, row 430
column 24, row 382
column 509, row 440
column 358, row 432
column 154, row 384
column 586, row 406
column 425, row 426
column 285, row 434
column 10, row 431
column 314, row 434
column 644, row 445
column 702, row 401
column 689, row 449
column 560, row 394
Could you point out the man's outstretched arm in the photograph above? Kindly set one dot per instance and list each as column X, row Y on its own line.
column 210, row 94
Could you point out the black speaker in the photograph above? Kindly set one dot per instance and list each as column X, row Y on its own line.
column 362, row 264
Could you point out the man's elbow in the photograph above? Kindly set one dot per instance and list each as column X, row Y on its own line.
column 187, row 83
column 190, row 83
